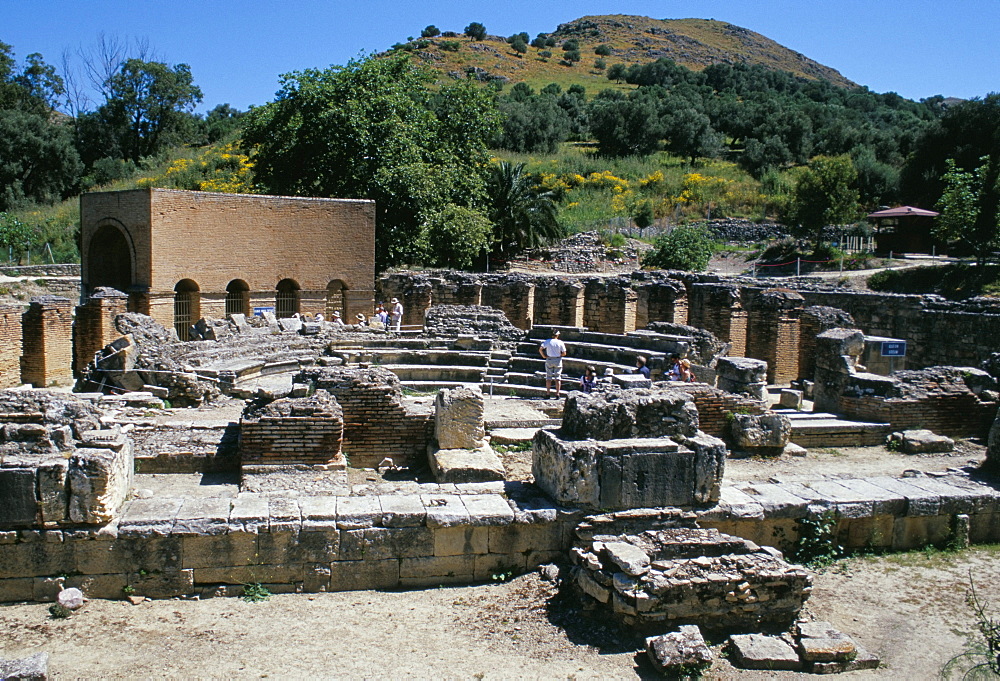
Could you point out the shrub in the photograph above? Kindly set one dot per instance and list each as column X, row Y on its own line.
column 685, row 248
column 450, row 46
column 603, row 50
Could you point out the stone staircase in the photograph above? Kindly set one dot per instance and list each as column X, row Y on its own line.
column 818, row 429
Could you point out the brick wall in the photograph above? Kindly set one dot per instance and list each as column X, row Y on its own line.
column 291, row 440
column 719, row 308
column 10, row 345
column 713, row 404
column 47, row 342
column 559, row 302
column 662, row 301
column 609, row 306
column 94, row 326
column 952, row 414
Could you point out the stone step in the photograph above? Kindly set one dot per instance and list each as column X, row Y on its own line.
column 499, row 363
column 422, row 372
column 435, row 386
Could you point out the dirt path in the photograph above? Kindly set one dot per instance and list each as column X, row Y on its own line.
column 909, row 608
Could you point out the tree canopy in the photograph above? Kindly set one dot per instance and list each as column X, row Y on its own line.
column 372, row 130
column 825, row 195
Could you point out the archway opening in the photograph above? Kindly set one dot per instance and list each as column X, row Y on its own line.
column 109, row 259
column 286, row 299
column 187, row 307
column 237, row 298
column 335, row 298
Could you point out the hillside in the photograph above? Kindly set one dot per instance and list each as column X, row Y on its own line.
column 694, row 43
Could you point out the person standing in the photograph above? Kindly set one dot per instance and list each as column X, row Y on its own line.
column 552, row 351
column 396, row 316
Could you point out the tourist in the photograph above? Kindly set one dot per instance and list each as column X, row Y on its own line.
column 396, row 317
column 360, row 320
column 589, row 379
column 319, row 317
column 686, row 374
column 337, row 320
column 382, row 314
column 640, row 366
column 552, row 351
column 609, row 374
column 674, row 373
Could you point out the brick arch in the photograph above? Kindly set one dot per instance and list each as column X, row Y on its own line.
column 187, row 307
column 287, row 298
column 109, row 259
column 237, row 297
column 336, row 298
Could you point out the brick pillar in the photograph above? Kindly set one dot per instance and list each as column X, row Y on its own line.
column 48, row 342
column 311, row 302
column 813, row 321
column 362, row 301
column 559, row 302
column 609, row 306
column 718, row 308
column 10, row 345
column 661, row 301
column 772, row 331
column 516, row 298
column 94, row 326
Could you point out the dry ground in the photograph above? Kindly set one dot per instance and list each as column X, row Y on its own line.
column 908, row 608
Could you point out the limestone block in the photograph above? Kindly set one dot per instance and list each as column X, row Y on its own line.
column 290, row 324
column 284, row 514
column 127, row 554
column 521, row 538
column 466, row 465
column 835, row 343
column 458, row 419
column 99, row 481
column 741, row 370
column 248, row 513
column 356, row 575
column 387, row 543
column 32, row 668
column 402, row 511
column 629, row 414
column 146, row 517
column 355, row 513
column 922, row 441
column 445, row 510
column 52, row 493
column 461, row 540
column 791, row 399
column 202, row 517
column 237, row 548
column 629, row 558
column 437, row 570
column 839, row 649
column 491, row 564
column 17, row 489
column 760, row 431
column 99, row 586
column 756, row 651
column 488, row 509
column 240, row 321
column 19, row 589
column 164, row 583
column 314, row 546
column 287, row 573
column 319, row 512
column 679, row 651
column 316, row 578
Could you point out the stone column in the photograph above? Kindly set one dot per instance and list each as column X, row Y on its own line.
column 719, row 308
column 661, row 301
column 47, row 339
column 837, row 352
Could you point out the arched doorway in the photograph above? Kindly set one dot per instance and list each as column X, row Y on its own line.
column 237, row 298
column 286, row 299
column 109, row 259
column 187, row 307
column 335, row 298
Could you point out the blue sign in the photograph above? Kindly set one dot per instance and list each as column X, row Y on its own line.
column 259, row 311
column 894, row 348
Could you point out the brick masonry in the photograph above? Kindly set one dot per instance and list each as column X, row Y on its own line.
column 47, row 342
column 94, row 327
column 10, row 345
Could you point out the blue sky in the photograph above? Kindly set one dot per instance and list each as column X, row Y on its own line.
column 236, row 50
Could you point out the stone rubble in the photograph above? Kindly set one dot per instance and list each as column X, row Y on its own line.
column 679, row 652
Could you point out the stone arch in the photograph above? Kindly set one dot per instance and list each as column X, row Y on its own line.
column 237, row 297
column 287, row 298
column 336, row 298
column 110, row 257
column 187, row 307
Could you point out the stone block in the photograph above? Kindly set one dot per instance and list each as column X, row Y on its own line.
column 521, row 538
column 316, row 546
column 127, row 554
column 237, row 548
column 248, row 513
column 32, row 668
column 629, row 558
column 458, row 420
column 284, row 514
column 35, row 558
column 357, row 575
column 402, row 511
column 163, row 583
column 316, row 578
column 437, row 570
column 756, row 651
column 922, row 441
column 99, row 481
column 491, row 565
column 790, row 399
column 46, row 589
column 354, row 513
column 679, row 652
column 319, row 512
column 445, row 510
column 488, row 509
column 288, row 573
column 466, row 465
column 53, row 495
column 19, row 589
column 386, row 543
column 17, row 489
column 760, row 431
column 100, row 586
column 461, row 540
column 839, row 649
column 208, row 516
column 148, row 517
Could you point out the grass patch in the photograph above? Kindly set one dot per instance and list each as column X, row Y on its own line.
column 516, row 447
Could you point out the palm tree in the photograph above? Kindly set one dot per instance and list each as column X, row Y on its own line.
column 523, row 214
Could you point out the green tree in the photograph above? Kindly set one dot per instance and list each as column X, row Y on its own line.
column 967, row 214
column 148, row 106
column 519, row 46
column 603, row 50
column 38, row 161
column 686, row 248
column 430, row 32
column 824, row 195
column 16, row 237
column 617, row 72
column 644, row 216
column 475, row 31
column 372, row 130
column 456, row 236
column 523, row 215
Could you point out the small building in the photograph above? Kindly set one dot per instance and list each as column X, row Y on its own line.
column 904, row 229
column 183, row 255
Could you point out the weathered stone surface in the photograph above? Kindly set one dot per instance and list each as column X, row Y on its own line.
column 993, row 443
column 838, row 649
column 625, row 414
column 791, row 399
column 922, row 442
column 33, row 668
column 679, row 651
column 99, row 481
column 756, row 651
column 466, row 465
column 629, row 558
column 17, row 489
column 760, row 431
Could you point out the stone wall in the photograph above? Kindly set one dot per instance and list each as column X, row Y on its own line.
column 377, row 422
column 10, row 345
column 308, row 430
column 719, row 308
column 773, row 332
column 813, row 321
column 94, row 326
column 47, row 342
column 715, row 405
column 169, row 547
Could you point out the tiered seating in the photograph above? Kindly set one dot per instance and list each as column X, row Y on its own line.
column 424, row 369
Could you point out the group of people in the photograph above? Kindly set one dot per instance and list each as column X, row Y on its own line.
column 389, row 319
column 554, row 349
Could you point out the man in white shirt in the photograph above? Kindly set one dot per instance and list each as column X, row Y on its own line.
column 552, row 351
column 396, row 316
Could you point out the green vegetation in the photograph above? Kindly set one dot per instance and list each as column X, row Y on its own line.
column 817, row 546
column 684, row 248
column 59, row 612
column 956, row 281
column 255, row 593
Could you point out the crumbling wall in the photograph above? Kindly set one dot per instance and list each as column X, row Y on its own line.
column 478, row 320
column 308, row 430
column 773, row 331
column 661, row 301
column 10, row 345
column 48, row 342
column 377, row 423
column 719, row 309
column 813, row 321
column 609, row 306
column 94, row 326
